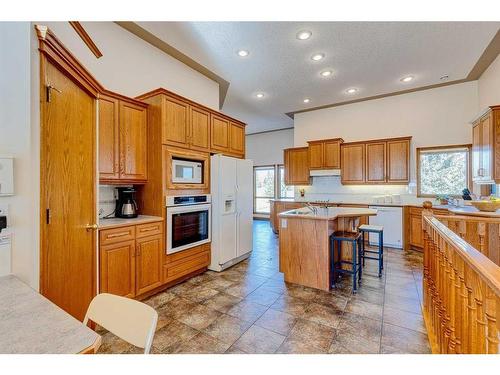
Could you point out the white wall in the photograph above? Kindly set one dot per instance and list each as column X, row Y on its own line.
column 489, row 85
column 267, row 148
column 19, row 137
column 131, row 66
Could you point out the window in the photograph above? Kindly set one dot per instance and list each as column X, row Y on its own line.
column 443, row 170
column 264, row 188
column 269, row 183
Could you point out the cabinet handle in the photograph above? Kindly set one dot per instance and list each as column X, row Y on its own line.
column 121, row 234
column 148, row 229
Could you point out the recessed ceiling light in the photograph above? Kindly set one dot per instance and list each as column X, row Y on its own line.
column 259, row 95
column 326, row 73
column 243, row 53
column 407, row 79
column 317, row 56
column 351, row 91
column 444, row 78
column 307, row 100
column 304, row 34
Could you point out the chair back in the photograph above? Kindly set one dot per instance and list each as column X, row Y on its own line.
column 131, row 320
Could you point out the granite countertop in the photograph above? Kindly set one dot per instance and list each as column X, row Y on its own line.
column 438, row 206
column 31, row 324
column 473, row 211
column 330, row 213
column 116, row 222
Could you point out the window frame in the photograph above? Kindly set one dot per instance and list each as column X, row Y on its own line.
column 278, row 185
column 255, row 197
column 449, row 148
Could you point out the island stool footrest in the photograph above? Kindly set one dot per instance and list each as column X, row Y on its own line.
column 336, row 266
column 379, row 230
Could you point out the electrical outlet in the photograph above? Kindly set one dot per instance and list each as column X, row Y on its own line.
column 4, row 209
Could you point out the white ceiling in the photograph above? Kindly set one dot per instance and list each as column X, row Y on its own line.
column 371, row 56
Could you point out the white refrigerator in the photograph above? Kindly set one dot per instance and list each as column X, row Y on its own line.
column 231, row 186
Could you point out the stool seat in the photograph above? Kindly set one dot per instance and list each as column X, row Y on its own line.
column 371, row 228
column 346, row 236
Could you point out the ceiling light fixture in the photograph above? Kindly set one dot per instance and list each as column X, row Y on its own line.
column 444, row 78
column 304, row 34
column 326, row 73
column 259, row 95
column 307, row 100
column 406, row 79
column 351, row 91
column 243, row 53
column 317, row 56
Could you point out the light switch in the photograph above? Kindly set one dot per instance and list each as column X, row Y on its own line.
column 284, row 223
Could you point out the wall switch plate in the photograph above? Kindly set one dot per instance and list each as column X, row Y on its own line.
column 284, row 223
column 4, row 209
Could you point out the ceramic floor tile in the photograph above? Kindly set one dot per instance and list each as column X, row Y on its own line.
column 290, row 305
column 346, row 343
column 313, row 334
column 366, row 309
column 247, row 310
column 171, row 335
column 201, row 344
column 227, row 328
column 322, row 314
column 404, row 339
column 222, row 302
column 258, row 340
column 199, row 317
column 262, row 297
column 298, row 346
column 404, row 319
column 276, row 321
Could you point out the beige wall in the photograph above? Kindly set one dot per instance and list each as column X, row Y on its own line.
column 489, row 85
column 131, row 66
column 267, row 148
column 433, row 117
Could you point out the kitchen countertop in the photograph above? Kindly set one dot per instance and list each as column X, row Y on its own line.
column 437, row 206
column 330, row 213
column 116, row 222
column 31, row 324
column 473, row 211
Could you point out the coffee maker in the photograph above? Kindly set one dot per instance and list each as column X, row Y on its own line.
column 126, row 207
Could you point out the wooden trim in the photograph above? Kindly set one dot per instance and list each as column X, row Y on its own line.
column 53, row 49
column 86, row 38
column 437, row 148
column 270, row 131
column 161, row 90
column 327, row 140
column 163, row 46
column 378, row 140
column 487, row 57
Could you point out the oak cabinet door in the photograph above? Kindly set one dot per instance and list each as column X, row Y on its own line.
column 353, row 163
column 315, row 155
column 297, row 166
column 149, row 263
column 486, row 149
column 199, row 135
column 237, row 139
column 416, row 238
column 477, row 152
column 176, row 123
column 117, row 268
column 375, row 162
column 331, row 154
column 219, row 133
column 109, row 139
column 133, row 142
column 398, row 161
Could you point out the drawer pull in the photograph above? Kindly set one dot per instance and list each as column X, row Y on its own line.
column 121, row 234
column 148, row 229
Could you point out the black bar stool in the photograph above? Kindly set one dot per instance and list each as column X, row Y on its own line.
column 336, row 266
column 379, row 230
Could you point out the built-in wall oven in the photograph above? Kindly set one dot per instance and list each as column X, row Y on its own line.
column 188, row 221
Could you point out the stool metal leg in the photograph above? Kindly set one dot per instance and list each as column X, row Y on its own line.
column 360, row 255
column 332, row 263
column 380, row 249
column 354, row 266
column 363, row 246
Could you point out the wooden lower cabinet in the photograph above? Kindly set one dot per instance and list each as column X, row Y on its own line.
column 130, row 260
column 280, row 206
column 414, row 226
column 185, row 262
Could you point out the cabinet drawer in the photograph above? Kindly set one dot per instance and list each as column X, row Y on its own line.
column 415, row 211
column 440, row 212
column 115, row 235
column 149, row 229
column 185, row 266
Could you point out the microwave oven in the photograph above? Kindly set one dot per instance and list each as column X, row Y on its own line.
column 187, row 171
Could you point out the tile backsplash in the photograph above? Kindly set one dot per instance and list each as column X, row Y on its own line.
column 107, row 199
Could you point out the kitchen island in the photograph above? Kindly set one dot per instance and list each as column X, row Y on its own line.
column 304, row 242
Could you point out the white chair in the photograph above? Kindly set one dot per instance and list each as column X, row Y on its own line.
column 131, row 320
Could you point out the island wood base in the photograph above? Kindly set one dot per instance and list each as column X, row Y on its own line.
column 304, row 249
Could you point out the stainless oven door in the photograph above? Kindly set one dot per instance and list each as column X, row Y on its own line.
column 188, row 226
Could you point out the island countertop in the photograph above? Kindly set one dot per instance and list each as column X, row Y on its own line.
column 330, row 213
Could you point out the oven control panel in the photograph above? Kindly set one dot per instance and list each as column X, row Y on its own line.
column 182, row 200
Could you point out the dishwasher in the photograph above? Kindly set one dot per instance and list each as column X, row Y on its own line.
column 391, row 218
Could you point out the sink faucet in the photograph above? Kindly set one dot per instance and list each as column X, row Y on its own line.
column 312, row 208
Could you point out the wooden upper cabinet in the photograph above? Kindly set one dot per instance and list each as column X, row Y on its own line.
column 219, row 133
column 353, row 163
column 297, row 166
column 199, row 130
column 325, row 154
column 486, row 147
column 176, row 122
column 133, row 142
column 122, row 139
column 237, row 138
column 109, row 139
column 376, row 162
column 398, row 161
column 149, row 263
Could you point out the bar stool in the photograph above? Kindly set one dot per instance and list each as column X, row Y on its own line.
column 336, row 266
column 379, row 230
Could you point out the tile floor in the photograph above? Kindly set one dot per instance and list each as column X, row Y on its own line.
column 250, row 309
